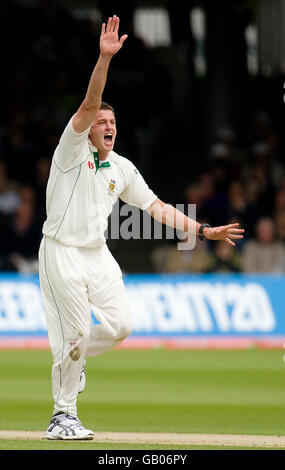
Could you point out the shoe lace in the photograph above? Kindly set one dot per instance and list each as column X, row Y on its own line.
column 67, row 422
column 76, row 422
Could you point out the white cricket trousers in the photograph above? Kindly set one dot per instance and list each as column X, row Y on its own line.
column 73, row 282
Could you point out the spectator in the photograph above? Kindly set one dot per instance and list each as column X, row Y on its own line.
column 264, row 156
column 27, row 194
column 260, row 174
column 19, row 150
column 194, row 195
column 254, row 208
column 40, row 183
column 243, row 202
column 226, row 259
column 9, row 199
column 265, row 254
column 237, row 200
column 214, row 203
column 21, row 240
column 169, row 259
column 280, row 225
column 240, row 178
column 279, row 200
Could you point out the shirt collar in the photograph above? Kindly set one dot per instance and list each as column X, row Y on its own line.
column 98, row 163
column 91, row 146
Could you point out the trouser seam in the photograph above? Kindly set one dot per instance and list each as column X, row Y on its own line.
column 60, row 321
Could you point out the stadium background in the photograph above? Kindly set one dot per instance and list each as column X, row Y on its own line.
column 199, row 102
column 199, row 97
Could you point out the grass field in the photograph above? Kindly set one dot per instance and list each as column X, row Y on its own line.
column 223, row 392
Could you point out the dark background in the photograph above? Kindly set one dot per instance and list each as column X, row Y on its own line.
column 213, row 138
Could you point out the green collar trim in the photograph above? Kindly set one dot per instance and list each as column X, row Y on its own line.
column 97, row 162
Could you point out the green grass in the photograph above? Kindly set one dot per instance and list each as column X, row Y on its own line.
column 227, row 392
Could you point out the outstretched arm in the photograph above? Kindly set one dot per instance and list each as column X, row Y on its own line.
column 169, row 215
column 110, row 44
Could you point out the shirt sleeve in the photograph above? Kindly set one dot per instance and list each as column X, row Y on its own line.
column 72, row 149
column 137, row 192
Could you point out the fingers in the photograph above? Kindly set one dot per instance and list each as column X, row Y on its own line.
column 109, row 25
column 113, row 24
column 232, row 225
column 231, row 235
column 229, row 242
column 227, row 233
column 123, row 38
column 113, row 27
column 236, row 230
column 116, row 23
column 234, row 233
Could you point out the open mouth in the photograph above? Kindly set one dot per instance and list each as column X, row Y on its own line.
column 108, row 138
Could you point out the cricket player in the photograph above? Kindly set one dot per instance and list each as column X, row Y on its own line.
column 77, row 272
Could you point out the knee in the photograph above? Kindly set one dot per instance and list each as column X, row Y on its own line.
column 125, row 330
column 78, row 344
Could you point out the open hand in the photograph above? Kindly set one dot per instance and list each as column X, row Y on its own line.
column 224, row 232
column 110, row 43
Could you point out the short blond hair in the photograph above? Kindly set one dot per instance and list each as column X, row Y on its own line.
column 107, row 107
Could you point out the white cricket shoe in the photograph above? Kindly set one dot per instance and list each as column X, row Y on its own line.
column 82, row 380
column 67, row 427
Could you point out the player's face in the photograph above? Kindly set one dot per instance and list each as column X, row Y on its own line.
column 103, row 131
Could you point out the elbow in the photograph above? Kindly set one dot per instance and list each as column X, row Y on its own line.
column 158, row 210
column 91, row 106
column 157, row 204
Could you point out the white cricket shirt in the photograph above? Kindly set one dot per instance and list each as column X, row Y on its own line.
column 80, row 197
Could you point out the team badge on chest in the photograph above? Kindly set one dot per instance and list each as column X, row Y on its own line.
column 112, row 185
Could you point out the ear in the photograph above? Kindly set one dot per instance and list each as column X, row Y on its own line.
column 90, row 131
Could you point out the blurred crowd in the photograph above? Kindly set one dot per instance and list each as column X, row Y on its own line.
column 43, row 48
column 47, row 54
column 237, row 185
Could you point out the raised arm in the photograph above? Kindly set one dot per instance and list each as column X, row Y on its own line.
column 169, row 215
column 110, row 44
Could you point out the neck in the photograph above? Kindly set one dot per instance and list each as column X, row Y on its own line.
column 102, row 155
